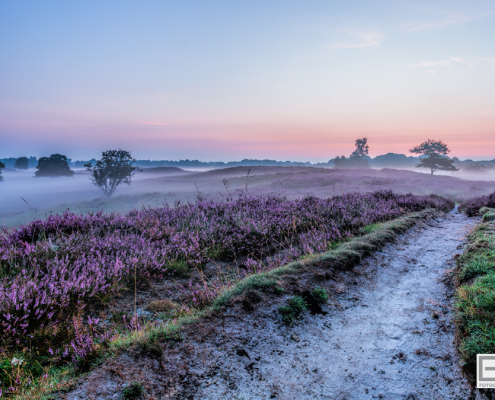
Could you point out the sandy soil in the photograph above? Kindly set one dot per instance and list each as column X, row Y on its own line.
column 387, row 335
column 387, row 332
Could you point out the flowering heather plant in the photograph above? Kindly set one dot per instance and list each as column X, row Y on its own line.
column 472, row 206
column 52, row 268
column 200, row 295
column 313, row 241
column 251, row 266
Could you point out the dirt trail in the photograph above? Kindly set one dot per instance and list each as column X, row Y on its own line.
column 388, row 334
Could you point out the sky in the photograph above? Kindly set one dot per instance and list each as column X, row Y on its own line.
column 227, row 80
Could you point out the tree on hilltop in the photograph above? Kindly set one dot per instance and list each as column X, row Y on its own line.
column 55, row 165
column 431, row 147
column 21, row 163
column 362, row 148
column 114, row 168
column 2, row 166
column 357, row 159
column 436, row 159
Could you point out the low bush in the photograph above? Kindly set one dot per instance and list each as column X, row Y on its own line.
column 297, row 305
column 319, row 294
column 488, row 214
column 472, row 206
column 133, row 391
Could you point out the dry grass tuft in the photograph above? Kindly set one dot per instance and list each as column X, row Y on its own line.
column 164, row 305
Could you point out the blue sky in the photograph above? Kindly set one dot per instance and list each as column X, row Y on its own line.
column 260, row 79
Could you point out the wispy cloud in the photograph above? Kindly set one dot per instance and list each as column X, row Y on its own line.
column 430, row 64
column 441, row 63
column 152, row 123
column 366, row 40
column 462, row 61
column 456, row 19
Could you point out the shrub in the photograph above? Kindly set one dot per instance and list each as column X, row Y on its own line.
column 133, row 391
column 286, row 314
column 319, row 294
column 295, row 306
column 472, row 206
column 298, row 304
column 160, row 305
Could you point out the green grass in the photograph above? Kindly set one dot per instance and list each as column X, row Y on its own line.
column 342, row 255
column 488, row 214
column 479, row 258
column 370, row 228
column 475, row 298
column 297, row 305
column 180, row 267
column 214, row 252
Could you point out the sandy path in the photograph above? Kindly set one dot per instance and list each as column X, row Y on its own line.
column 388, row 333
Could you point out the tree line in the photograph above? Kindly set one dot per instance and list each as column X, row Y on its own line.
column 117, row 167
column 433, row 155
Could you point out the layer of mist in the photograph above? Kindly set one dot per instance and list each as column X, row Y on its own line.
column 24, row 197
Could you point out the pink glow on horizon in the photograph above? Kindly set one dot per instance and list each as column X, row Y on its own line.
column 233, row 80
column 230, row 142
column 153, row 123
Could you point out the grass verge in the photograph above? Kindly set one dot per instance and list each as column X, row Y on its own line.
column 475, row 296
column 344, row 256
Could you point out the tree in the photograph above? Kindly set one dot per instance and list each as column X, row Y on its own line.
column 437, row 162
column 55, row 165
column 436, row 159
column 2, row 166
column 431, row 147
column 21, row 163
column 340, row 162
column 357, row 159
column 362, row 148
column 114, row 168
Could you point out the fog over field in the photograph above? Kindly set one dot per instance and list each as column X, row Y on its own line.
column 153, row 187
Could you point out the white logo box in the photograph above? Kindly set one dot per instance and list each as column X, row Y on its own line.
column 485, row 370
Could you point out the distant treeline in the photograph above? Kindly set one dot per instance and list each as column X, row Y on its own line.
column 10, row 162
column 390, row 160
column 204, row 164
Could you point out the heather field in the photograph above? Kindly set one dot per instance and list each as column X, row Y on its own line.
column 75, row 287
column 84, row 277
